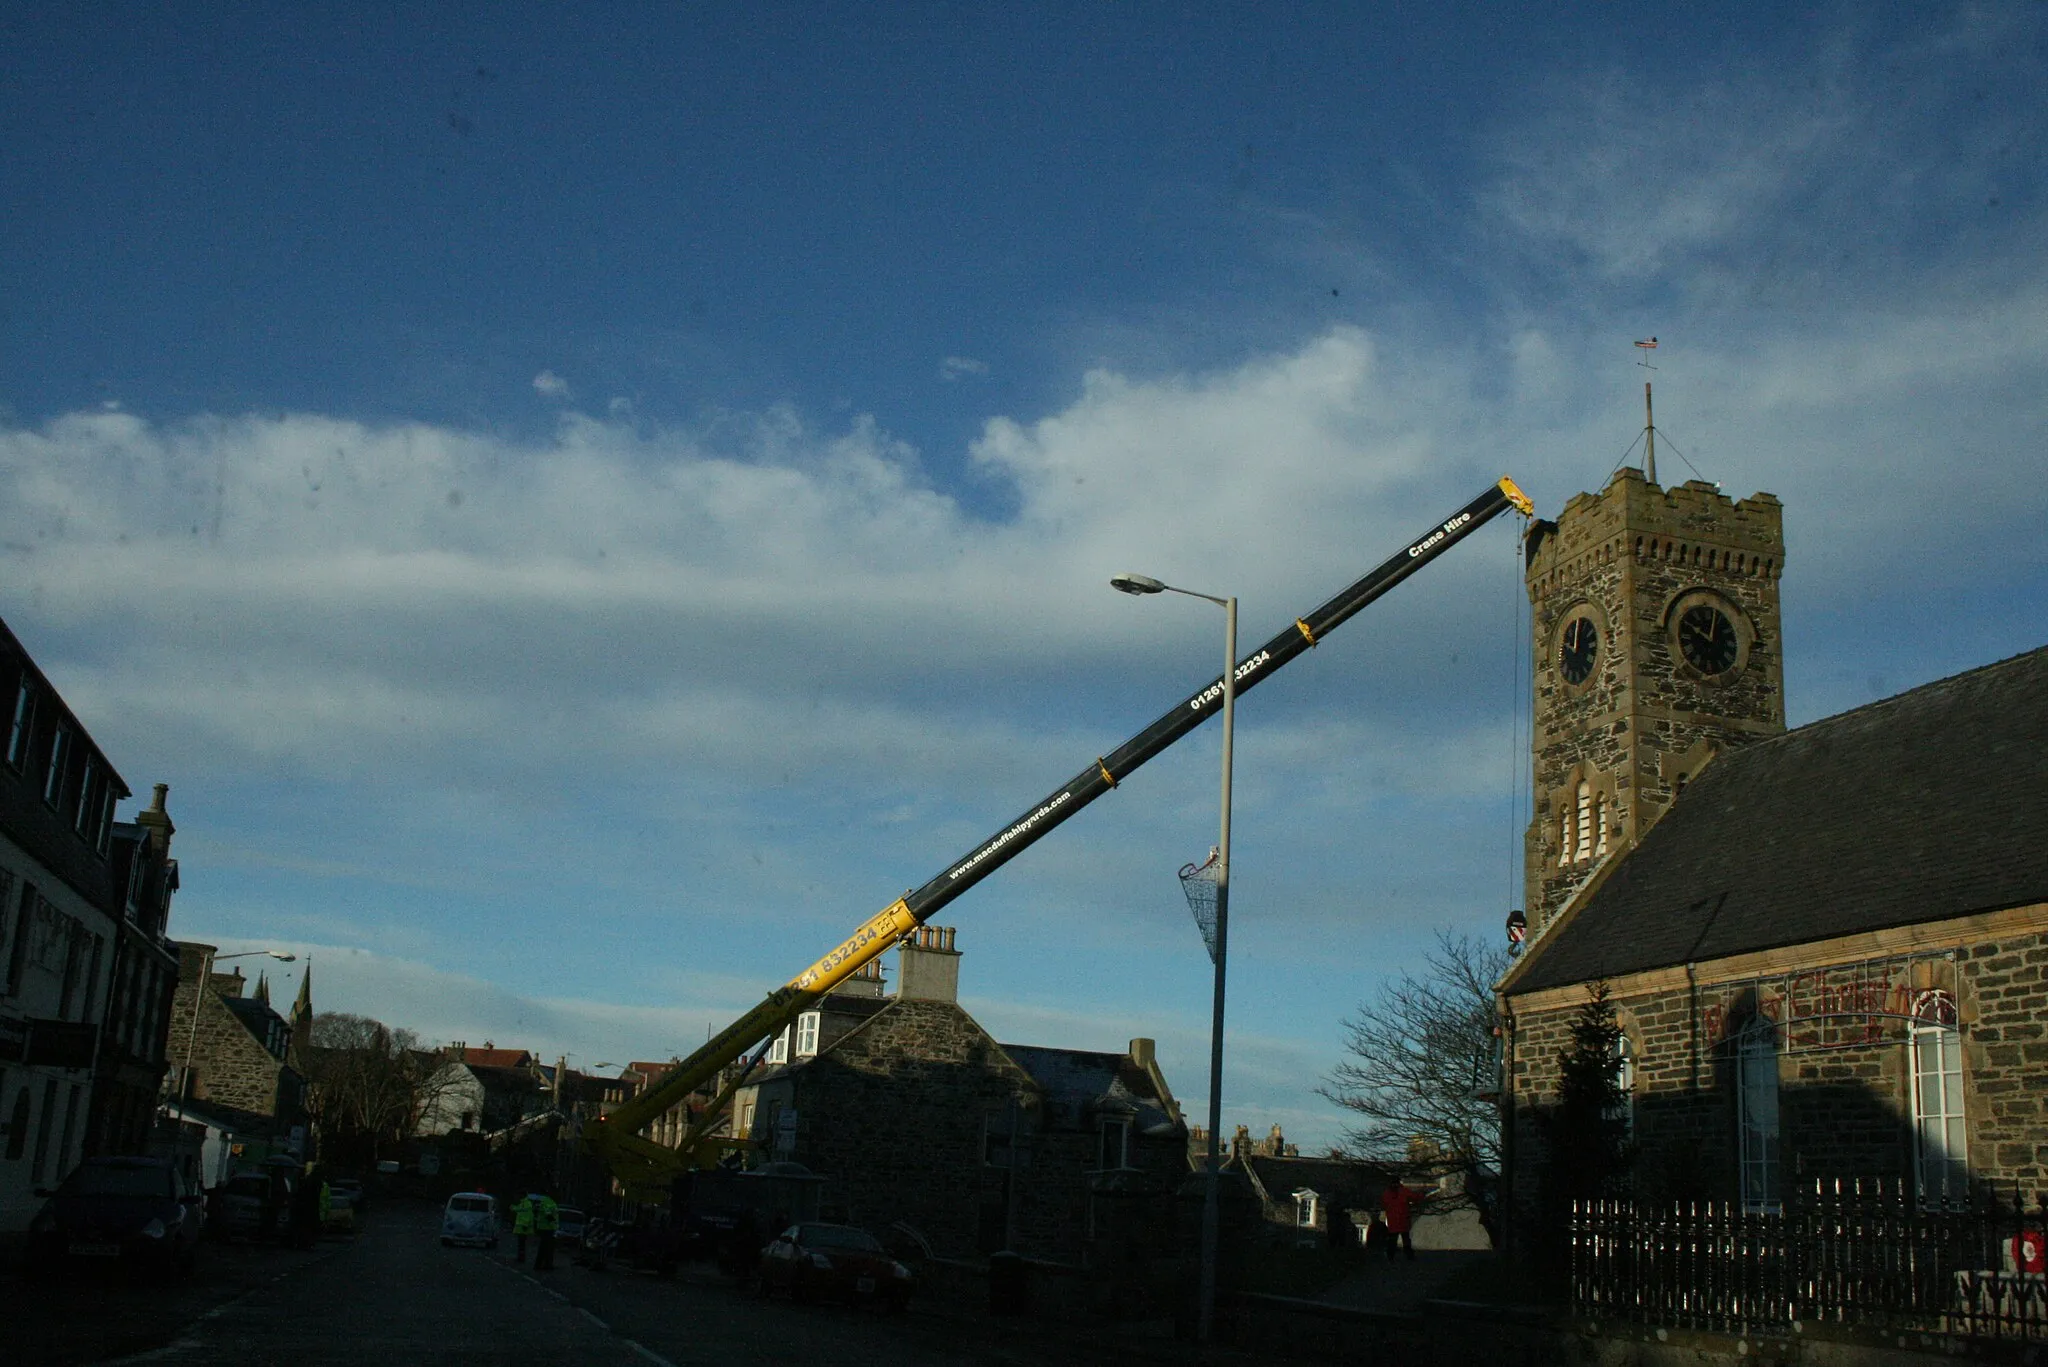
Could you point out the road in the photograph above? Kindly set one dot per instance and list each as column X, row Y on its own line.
column 394, row 1296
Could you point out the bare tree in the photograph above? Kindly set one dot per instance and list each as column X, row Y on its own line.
column 365, row 1082
column 1422, row 1072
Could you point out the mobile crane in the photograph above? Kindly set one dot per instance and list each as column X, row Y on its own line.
column 647, row 1169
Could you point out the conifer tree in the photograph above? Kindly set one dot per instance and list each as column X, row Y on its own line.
column 1590, row 1147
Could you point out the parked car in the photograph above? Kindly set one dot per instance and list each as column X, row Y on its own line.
column 248, row 1206
column 573, row 1222
column 347, row 1193
column 811, row 1260
column 118, row 1210
column 471, row 1217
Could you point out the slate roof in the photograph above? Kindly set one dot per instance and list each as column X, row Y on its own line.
column 259, row 1020
column 1346, row 1183
column 841, row 1015
column 1928, row 805
column 1076, row 1080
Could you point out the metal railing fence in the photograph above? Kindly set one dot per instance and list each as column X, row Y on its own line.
column 1860, row 1252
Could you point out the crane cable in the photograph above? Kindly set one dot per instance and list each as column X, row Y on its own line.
column 1521, row 702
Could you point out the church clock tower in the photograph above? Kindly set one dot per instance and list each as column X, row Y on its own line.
column 1655, row 616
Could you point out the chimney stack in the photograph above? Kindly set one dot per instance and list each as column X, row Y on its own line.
column 157, row 821
column 930, row 967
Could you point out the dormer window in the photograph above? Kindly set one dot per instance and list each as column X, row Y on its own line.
column 807, row 1034
column 1306, row 1209
column 778, row 1052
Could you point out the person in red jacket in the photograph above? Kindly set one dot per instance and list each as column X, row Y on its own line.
column 1397, row 1209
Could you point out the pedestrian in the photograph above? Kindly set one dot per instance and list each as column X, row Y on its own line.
column 310, row 1204
column 547, row 1218
column 522, row 1226
column 1397, row 1208
column 277, row 1204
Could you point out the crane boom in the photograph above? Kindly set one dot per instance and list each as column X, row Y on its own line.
column 644, row 1165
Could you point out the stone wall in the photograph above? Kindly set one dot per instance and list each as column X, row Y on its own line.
column 898, row 1119
column 229, row 1065
column 894, row 1119
column 2005, row 1059
column 1632, row 558
column 1845, row 1070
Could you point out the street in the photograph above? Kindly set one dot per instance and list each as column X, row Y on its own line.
column 393, row 1295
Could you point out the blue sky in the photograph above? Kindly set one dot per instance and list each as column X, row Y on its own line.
column 583, row 510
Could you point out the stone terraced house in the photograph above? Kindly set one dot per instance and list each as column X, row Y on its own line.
column 920, row 1122
column 1827, row 947
column 236, row 1053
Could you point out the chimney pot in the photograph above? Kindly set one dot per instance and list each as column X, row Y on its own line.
column 930, row 967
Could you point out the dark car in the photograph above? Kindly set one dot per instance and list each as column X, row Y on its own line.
column 132, row 1211
column 250, row 1205
column 839, row 1261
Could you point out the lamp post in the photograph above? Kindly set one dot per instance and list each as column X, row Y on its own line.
column 1142, row 584
column 192, row 1036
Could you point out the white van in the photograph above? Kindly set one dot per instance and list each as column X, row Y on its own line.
column 470, row 1218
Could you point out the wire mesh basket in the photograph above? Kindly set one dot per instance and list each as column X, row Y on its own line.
column 1198, row 881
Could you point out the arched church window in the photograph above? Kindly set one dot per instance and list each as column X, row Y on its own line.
column 1625, row 1083
column 1599, row 826
column 1941, row 1137
column 1583, row 849
column 1564, row 838
column 1756, row 1113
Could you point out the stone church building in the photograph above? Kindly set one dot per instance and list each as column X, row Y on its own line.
column 1827, row 947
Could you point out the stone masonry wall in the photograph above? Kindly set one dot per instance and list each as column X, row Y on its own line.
column 1845, row 1105
column 1632, row 558
column 229, row 1065
column 2005, row 1060
column 893, row 1119
column 897, row 1119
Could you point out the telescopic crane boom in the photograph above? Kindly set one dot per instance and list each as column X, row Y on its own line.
column 646, row 1167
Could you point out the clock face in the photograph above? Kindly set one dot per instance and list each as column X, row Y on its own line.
column 1707, row 639
column 1577, row 649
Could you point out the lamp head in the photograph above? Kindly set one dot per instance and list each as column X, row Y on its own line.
column 1135, row 583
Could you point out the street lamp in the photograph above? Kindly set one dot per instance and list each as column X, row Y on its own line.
column 1143, row 584
column 192, row 1036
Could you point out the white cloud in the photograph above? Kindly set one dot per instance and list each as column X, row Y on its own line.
column 441, row 1006
column 954, row 368
column 549, row 385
